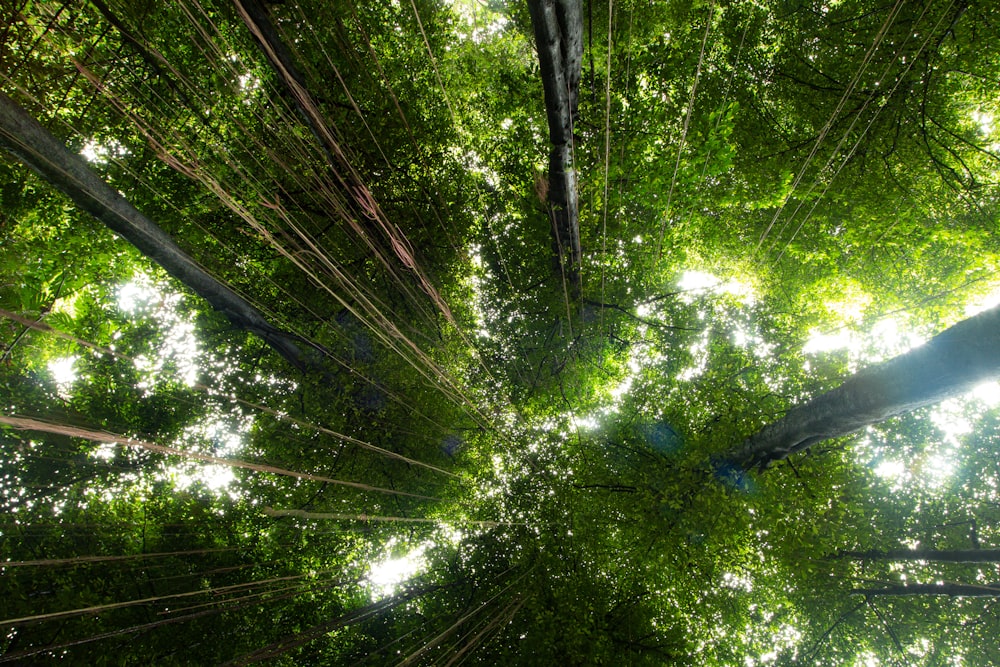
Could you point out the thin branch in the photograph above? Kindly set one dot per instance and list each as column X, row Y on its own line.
column 885, row 624
column 843, row 617
column 637, row 318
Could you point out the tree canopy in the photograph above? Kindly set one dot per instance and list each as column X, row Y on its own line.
column 441, row 332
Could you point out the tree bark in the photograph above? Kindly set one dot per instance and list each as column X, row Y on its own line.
column 27, row 140
column 935, row 555
column 558, row 26
column 950, row 364
column 950, row 590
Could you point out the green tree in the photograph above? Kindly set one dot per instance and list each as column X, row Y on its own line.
column 773, row 202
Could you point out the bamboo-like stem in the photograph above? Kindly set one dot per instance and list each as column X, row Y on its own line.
column 28, row 424
column 504, row 617
column 45, row 328
column 19, row 655
column 283, row 646
column 104, row 559
column 96, row 609
column 412, row 658
column 335, row 516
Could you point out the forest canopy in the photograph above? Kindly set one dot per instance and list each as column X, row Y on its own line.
column 489, row 332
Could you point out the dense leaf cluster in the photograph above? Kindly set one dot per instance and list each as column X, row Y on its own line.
column 751, row 174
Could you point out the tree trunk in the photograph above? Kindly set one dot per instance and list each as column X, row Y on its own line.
column 935, row 555
column 558, row 26
column 26, row 139
column 951, row 590
column 948, row 365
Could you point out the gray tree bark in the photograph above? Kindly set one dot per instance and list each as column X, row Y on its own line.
column 948, row 365
column 27, row 140
column 558, row 26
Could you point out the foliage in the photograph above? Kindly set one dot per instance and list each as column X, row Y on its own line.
column 751, row 174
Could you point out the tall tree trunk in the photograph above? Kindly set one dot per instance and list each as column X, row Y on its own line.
column 26, row 139
column 951, row 590
column 935, row 555
column 558, row 26
column 948, row 365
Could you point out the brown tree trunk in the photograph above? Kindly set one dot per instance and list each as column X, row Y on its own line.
column 935, row 555
column 950, row 590
column 948, row 365
column 26, row 139
column 558, row 26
